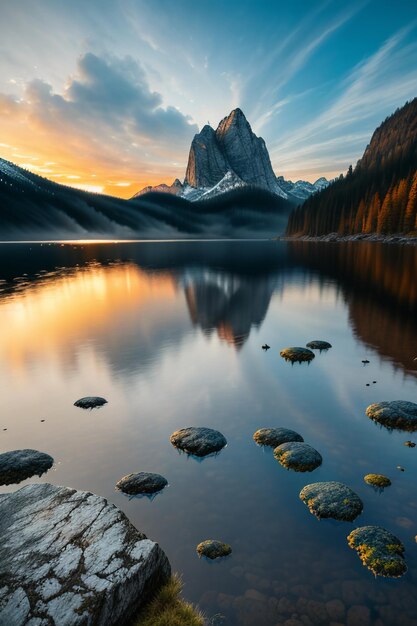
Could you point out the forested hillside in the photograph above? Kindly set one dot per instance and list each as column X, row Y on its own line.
column 379, row 195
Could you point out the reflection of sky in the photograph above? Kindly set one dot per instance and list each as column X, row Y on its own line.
column 127, row 334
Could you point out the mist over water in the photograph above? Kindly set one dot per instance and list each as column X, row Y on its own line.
column 170, row 334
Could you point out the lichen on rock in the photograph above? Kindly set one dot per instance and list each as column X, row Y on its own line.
column 397, row 414
column 297, row 355
column 275, row 436
column 298, row 456
column 332, row 500
column 318, row 344
column 198, row 441
column 379, row 550
column 377, row 480
column 213, row 549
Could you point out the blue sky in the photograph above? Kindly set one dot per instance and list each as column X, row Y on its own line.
column 108, row 94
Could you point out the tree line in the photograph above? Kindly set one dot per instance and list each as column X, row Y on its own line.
column 379, row 195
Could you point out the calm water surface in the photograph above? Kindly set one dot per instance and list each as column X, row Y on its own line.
column 171, row 335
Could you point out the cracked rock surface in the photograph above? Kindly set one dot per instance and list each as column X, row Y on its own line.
column 70, row 558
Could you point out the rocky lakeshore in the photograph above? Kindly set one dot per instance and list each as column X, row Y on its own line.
column 335, row 237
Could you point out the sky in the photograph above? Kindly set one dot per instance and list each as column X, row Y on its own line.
column 107, row 94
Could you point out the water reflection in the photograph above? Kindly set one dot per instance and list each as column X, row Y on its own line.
column 154, row 329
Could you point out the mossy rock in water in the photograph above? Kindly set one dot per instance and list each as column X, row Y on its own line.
column 18, row 465
column 317, row 344
column 90, row 402
column 198, row 441
column 275, row 436
column 397, row 414
column 332, row 500
column 141, row 483
column 298, row 456
column 379, row 550
column 377, row 480
column 297, row 355
column 213, row 549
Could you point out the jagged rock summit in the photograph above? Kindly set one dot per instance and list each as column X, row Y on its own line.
column 230, row 157
column 233, row 147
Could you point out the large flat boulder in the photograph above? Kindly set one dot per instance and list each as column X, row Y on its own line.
column 70, row 558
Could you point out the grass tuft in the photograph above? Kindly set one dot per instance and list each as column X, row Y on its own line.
column 167, row 608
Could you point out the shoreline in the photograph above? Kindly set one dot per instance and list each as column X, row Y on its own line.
column 335, row 238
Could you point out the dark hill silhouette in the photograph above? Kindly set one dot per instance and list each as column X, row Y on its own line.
column 32, row 207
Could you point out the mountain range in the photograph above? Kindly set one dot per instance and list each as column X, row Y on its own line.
column 232, row 157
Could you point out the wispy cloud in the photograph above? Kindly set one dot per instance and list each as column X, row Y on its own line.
column 370, row 91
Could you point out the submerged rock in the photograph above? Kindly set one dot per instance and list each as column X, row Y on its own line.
column 90, row 402
column 275, row 436
column 198, row 441
column 332, row 499
column 397, row 414
column 69, row 558
column 298, row 456
column 379, row 550
column 17, row 465
column 377, row 480
column 141, row 483
column 297, row 355
column 317, row 344
column 213, row 549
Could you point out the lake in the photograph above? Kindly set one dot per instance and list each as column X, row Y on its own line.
column 170, row 333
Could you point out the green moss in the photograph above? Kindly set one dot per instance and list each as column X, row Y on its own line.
column 213, row 549
column 379, row 550
column 167, row 608
column 377, row 480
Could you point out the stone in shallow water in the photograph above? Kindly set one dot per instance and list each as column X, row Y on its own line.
column 297, row 355
column 377, row 480
column 332, row 499
column 275, row 436
column 68, row 558
column 198, row 441
column 318, row 344
column 213, row 549
column 298, row 456
column 379, row 550
column 141, row 483
column 17, row 465
column 397, row 414
column 90, row 402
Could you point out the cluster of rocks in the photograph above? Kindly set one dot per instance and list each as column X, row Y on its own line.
column 297, row 354
column 68, row 557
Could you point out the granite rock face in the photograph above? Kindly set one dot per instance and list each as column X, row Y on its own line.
column 68, row 558
column 233, row 147
column 206, row 162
